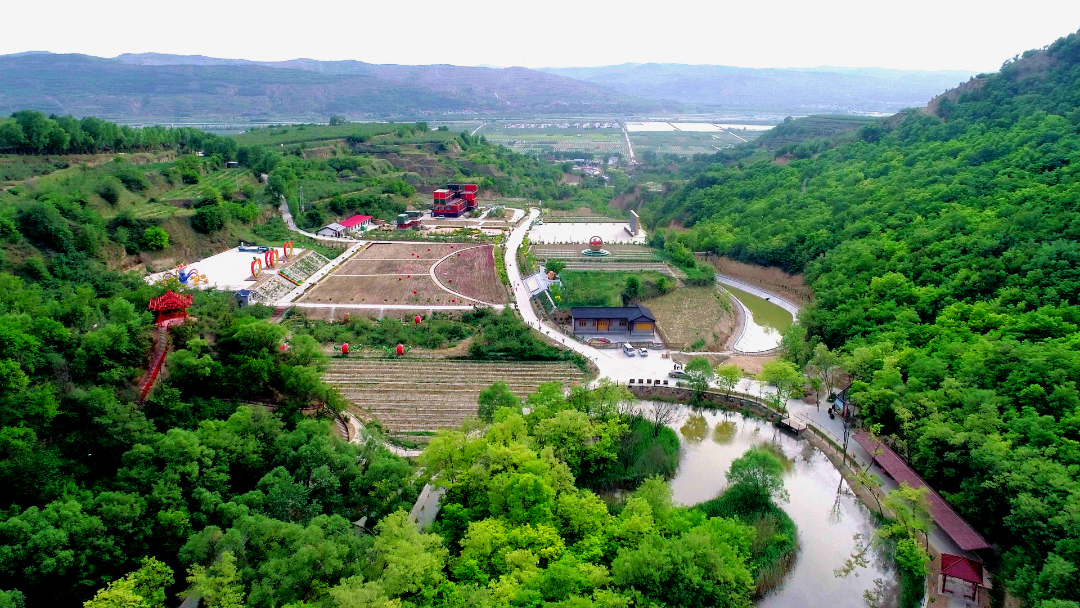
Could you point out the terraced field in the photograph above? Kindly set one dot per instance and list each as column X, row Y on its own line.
column 410, row 395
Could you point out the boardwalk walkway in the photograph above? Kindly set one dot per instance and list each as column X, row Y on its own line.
column 944, row 516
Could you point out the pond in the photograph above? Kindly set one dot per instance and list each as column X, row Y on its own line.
column 764, row 323
column 827, row 514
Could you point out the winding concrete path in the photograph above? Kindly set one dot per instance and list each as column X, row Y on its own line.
column 286, row 216
column 611, row 363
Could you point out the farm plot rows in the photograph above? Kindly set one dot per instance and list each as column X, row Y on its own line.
column 392, row 273
column 308, row 264
column 409, row 395
column 569, row 252
column 475, row 272
column 625, row 266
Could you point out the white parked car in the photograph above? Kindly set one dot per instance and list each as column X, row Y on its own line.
column 644, row 352
column 627, row 349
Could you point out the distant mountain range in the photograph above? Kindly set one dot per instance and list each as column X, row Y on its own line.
column 157, row 87
column 794, row 90
column 153, row 86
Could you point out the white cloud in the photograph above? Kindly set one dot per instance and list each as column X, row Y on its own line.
column 919, row 34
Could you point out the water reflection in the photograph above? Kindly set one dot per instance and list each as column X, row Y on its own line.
column 724, row 432
column 827, row 514
column 695, row 429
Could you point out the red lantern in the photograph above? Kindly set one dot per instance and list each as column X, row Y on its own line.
column 399, row 278
column 400, row 349
column 414, row 292
column 417, row 319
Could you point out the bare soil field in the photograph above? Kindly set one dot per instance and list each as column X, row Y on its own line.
column 473, row 274
column 690, row 315
column 398, row 273
column 379, row 289
column 772, row 279
column 408, row 395
column 365, row 267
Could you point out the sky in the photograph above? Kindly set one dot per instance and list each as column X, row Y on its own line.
column 915, row 34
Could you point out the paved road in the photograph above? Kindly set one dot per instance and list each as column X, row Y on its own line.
column 633, row 159
column 612, row 363
column 286, row 215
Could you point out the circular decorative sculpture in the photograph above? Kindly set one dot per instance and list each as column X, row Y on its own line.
column 594, row 249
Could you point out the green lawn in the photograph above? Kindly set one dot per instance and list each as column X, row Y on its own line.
column 598, row 288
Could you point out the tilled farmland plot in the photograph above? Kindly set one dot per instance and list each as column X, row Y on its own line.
column 408, row 395
column 399, row 274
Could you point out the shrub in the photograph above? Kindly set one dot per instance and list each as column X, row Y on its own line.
column 208, row 219
column 132, row 177
column 155, row 238
column 208, row 196
column 110, row 189
column 43, row 225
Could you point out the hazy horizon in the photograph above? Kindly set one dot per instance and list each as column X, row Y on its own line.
column 503, row 67
column 923, row 35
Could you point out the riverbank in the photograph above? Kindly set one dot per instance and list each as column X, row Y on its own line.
column 776, row 540
column 834, row 515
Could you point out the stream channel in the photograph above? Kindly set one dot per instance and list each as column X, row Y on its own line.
column 828, row 516
column 764, row 321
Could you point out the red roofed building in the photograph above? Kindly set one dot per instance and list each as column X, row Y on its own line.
column 357, row 223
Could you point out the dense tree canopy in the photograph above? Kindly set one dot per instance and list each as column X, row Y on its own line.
column 943, row 246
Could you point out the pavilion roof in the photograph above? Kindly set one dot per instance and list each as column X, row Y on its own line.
column 170, row 300
column 958, row 566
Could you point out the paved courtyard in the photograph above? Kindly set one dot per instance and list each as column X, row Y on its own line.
column 610, row 232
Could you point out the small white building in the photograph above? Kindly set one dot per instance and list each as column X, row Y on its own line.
column 351, row 226
column 335, row 230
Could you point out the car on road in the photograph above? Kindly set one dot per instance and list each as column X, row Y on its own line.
column 644, row 352
column 627, row 349
column 678, row 375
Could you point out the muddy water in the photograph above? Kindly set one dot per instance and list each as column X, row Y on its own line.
column 827, row 515
column 764, row 322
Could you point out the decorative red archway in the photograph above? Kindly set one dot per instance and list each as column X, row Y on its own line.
column 170, row 305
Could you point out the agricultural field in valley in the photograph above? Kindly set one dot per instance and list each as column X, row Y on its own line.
column 398, row 273
column 534, row 137
column 410, row 395
column 694, row 318
column 476, row 278
column 688, row 142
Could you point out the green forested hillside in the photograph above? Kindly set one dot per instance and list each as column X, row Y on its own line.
column 198, row 477
column 944, row 249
